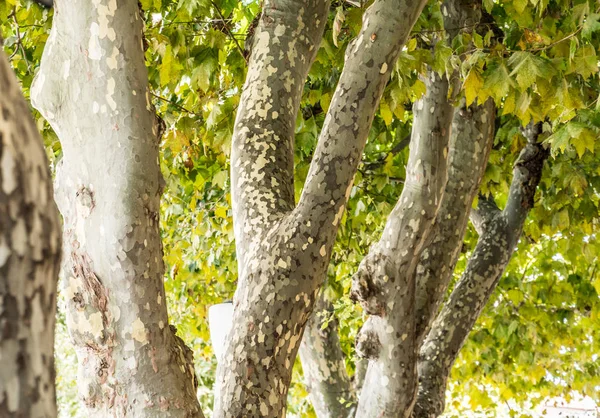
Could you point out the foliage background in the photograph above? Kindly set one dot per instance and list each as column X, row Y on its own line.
column 539, row 335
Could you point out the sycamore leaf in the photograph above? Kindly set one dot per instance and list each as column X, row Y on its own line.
column 528, row 67
column 583, row 138
column 497, row 81
column 386, row 113
column 591, row 25
column 472, row 86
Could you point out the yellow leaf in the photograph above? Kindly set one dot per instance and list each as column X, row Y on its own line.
column 386, row 113
column 473, row 85
column 221, row 211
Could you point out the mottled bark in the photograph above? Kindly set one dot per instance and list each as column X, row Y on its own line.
column 385, row 281
column 499, row 233
column 29, row 260
column 470, row 143
column 325, row 376
column 283, row 250
column 92, row 88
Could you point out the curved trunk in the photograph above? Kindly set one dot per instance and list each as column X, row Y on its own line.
column 29, row 260
column 92, row 88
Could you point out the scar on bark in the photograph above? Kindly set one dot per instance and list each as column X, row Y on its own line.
column 369, row 282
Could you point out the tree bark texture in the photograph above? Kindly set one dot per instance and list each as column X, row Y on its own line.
column 283, row 249
column 92, row 88
column 499, row 233
column 325, row 376
column 29, row 260
column 470, row 144
column 385, row 281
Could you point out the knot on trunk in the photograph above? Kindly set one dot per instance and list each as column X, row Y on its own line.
column 369, row 283
column 367, row 344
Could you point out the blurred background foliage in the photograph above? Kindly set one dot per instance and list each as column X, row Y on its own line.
column 539, row 335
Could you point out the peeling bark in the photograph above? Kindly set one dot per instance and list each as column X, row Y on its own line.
column 283, row 250
column 385, row 281
column 29, row 260
column 92, row 88
column 325, row 376
column 499, row 233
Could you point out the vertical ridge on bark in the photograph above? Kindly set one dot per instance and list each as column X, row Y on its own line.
column 470, row 144
column 92, row 88
column 29, row 260
column 385, row 281
column 324, row 368
column 499, row 233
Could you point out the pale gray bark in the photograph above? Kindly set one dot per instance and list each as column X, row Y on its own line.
column 283, row 250
column 325, row 376
column 470, row 143
column 29, row 260
column 92, row 88
column 499, row 233
column 385, row 281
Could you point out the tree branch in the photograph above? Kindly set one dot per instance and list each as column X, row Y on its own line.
column 385, row 281
column 370, row 59
column 324, row 368
column 484, row 269
column 262, row 162
column 470, row 143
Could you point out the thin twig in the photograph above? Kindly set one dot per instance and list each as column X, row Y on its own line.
column 174, row 104
column 229, row 31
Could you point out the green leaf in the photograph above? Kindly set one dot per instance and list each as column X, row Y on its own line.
column 528, row 67
column 591, row 25
column 497, row 81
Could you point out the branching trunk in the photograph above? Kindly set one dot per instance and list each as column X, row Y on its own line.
column 29, row 260
column 499, row 233
column 329, row 387
column 385, row 281
column 93, row 89
column 283, row 250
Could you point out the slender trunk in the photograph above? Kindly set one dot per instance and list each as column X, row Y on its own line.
column 385, row 281
column 327, row 381
column 499, row 232
column 29, row 260
column 470, row 145
column 92, row 88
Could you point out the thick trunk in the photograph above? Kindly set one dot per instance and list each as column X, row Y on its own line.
column 385, row 281
column 29, row 260
column 283, row 250
column 499, row 233
column 92, row 88
column 324, row 368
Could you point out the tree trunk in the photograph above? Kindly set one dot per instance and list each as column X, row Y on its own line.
column 385, row 281
column 29, row 260
column 283, row 249
column 327, row 381
column 470, row 145
column 92, row 88
column 499, row 232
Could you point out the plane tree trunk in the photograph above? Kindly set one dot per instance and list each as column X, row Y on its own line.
column 92, row 88
column 29, row 260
